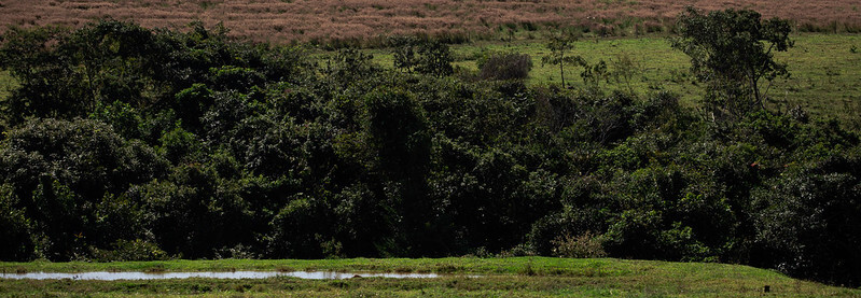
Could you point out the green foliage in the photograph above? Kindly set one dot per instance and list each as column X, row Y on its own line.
column 86, row 155
column 434, row 58
column 625, row 68
column 235, row 78
column 14, row 227
column 593, row 74
column 136, row 250
column 33, row 59
column 810, row 219
column 190, row 196
column 505, row 67
column 583, row 246
column 300, row 229
column 403, row 52
column 350, row 67
column 424, row 56
column 397, row 132
column 61, row 215
column 128, row 143
column 191, row 104
column 122, row 117
column 179, row 145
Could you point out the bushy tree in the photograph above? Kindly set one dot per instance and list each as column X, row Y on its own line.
column 430, row 57
column 403, row 52
column 85, row 155
column 731, row 52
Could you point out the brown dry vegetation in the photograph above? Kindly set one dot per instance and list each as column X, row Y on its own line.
column 317, row 20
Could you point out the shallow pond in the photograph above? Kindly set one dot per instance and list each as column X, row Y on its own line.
column 105, row 275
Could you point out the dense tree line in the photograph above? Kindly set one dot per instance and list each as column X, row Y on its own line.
column 128, row 143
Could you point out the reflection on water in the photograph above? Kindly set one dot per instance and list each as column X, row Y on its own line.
column 104, row 275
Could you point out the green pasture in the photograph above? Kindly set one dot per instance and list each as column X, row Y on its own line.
column 825, row 69
column 499, row 277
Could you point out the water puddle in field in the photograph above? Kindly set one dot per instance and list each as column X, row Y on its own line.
column 109, row 276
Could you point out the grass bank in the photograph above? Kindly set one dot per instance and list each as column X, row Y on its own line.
column 502, row 277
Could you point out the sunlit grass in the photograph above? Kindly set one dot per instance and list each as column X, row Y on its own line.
column 500, row 277
column 824, row 81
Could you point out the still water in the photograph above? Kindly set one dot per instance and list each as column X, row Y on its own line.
column 104, row 275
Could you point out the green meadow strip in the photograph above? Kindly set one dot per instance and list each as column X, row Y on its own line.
column 500, row 277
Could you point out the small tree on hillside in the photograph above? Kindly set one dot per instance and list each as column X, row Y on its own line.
column 434, row 58
column 430, row 57
column 731, row 52
column 403, row 52
column 559, row 46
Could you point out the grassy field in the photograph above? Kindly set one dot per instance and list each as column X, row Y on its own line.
column 500, row 277
column 365, row 20
column 824, row 81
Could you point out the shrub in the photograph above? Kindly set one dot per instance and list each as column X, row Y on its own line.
column 434, row 59
column 505, row 67
column 586, row 245
column 239, row 251
column 131, row 250
column 298, row 229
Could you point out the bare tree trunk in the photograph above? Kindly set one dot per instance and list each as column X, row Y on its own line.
column 562, row 72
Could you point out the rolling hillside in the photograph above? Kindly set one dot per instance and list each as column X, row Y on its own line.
column 320, row 20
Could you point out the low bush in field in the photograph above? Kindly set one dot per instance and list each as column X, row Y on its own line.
column 505, row 67
column 586, row 245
